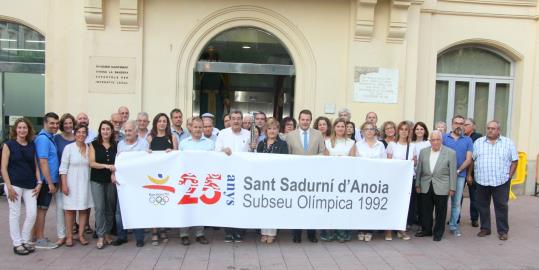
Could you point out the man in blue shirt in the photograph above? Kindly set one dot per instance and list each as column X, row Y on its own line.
column 176, row 121
column 195, row 142
column 463, row 146
column 49, row 166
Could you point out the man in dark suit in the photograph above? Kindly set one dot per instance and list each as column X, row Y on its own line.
column 305, row 141
column 436, row 178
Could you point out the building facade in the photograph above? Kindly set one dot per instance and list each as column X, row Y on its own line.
column 477, row 58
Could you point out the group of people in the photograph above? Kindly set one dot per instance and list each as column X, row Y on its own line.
column 76, row 167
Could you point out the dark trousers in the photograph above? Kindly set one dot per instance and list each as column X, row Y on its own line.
column 472, row 192
column 414, row 209
column 429, row 202
column 500, row 197
column 310, row 233
column 234, row 231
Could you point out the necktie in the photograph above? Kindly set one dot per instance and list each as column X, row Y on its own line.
column 305, row 141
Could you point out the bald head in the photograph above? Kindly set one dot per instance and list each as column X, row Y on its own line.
column 124, row 112
column 82, row 119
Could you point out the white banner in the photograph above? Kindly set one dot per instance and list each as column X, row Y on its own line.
column 251, row 190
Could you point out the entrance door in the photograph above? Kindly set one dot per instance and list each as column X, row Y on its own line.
column 244, row 68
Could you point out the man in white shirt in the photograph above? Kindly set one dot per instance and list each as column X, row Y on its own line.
column 234, row 139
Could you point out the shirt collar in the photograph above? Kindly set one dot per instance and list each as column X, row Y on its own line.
column 202, row 138
column 43, row 131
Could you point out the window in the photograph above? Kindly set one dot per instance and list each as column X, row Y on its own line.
column 22, row 80
column 476, row 82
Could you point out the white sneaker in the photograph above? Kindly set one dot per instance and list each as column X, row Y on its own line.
column 361, row 236
column 368, row 237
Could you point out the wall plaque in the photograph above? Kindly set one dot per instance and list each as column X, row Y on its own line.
column 376, row 85
column 112, row 74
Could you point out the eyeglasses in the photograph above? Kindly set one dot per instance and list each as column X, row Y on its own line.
column 369, row 129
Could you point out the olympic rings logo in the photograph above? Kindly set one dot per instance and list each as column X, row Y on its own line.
column 158, row 199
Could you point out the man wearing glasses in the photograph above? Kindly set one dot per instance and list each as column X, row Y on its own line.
column 463, row 146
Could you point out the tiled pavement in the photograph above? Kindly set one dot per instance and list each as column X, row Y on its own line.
column 521, row 251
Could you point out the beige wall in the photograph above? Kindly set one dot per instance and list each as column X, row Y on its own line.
column 320, row 34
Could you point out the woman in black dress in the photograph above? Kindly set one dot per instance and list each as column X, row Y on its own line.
column 102, row 182
column 161, row 139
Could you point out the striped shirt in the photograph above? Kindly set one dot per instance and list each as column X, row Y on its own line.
column 493, row 161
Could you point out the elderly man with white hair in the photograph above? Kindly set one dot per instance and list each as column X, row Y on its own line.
column 131, row 142
column 436, row 180
column 247, row 122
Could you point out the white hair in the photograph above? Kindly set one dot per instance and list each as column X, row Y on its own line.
column 345, row 110
column 143, row 114
column 132, row 123
column 437, row 132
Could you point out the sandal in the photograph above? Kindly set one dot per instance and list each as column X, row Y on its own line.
column 69, row 242
column 100, row 243
column 20, row 250
column 60, row 242
column 155, row 239
column 29, row 247
column 270, row 239
column 264, row 239
column 83, row 240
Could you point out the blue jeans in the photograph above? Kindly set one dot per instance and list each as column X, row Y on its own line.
column 120, row 232
column 455, row 204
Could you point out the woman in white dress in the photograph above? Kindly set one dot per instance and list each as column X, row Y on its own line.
column 404, row 150
column 369, row 147
column 338, row 145
column 75, row 174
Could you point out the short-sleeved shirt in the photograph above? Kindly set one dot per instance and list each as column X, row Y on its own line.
column 46, row 148
column 139, row 145
column 363, row 149
column 203, row 144
column 103, row 156
column 420, row 146
column 237, row 142
column 90, row 137
column 399, row 150
column 61, row 143
column 22, row 167
column 492, row 162
column 461, row 146
column 180, row 135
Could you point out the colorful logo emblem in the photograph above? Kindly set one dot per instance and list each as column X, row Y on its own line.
column 159, row 198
